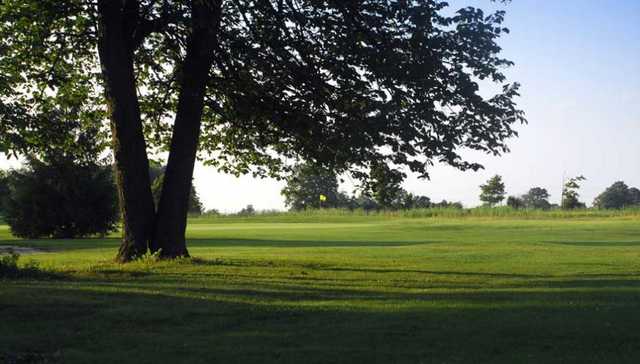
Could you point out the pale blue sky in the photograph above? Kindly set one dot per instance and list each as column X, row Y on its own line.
column 579, row 65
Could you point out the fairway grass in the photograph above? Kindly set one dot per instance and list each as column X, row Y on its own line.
column 354, row 289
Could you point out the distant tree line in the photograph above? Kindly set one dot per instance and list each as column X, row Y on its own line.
column 63, row 196
column 312, row 187
column 617, row 196
column 383, row 190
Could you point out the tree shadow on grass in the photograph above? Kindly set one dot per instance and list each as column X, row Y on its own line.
column 604, row 244
column 300, row 243
column 54, row 245
column 141, row 323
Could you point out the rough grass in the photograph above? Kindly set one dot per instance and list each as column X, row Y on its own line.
column 345, row 289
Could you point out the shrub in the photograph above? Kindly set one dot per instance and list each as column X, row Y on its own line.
column 9, row 264
column 10, row 269
column 61, row 199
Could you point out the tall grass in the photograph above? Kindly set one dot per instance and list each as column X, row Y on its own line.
column 478, row 212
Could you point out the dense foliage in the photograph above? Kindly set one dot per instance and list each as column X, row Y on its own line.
column 536, row 198
column 61, row 199
column 329, row 81
column 618, row 196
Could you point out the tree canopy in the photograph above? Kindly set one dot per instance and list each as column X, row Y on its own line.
column 327, row 82
column 492, row 192
column 537, row 198
column 252, row 86
column 617, row 196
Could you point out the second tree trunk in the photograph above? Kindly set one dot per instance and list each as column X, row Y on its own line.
column 171, row 217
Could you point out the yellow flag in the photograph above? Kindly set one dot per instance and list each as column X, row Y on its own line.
column 323, row 198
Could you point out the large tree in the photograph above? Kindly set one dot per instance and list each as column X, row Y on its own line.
column 254, row 85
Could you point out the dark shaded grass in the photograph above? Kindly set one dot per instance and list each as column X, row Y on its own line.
column 85, row 323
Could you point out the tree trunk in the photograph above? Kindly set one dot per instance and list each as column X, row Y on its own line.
column 171, row 218
column 115, row 48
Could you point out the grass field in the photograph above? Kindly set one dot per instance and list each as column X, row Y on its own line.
column 346, row 289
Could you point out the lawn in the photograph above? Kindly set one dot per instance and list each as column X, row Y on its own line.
column 350, row 289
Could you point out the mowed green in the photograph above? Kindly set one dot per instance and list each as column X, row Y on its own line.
column 345, row 290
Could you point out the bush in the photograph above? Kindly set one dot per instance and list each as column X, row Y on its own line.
column 61, row 199
column 9, row 268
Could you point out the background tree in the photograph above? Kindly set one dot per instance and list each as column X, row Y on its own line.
column 365, row 202
column 195, row 206
column 492, row 193
column 444, row 204
column 307, row 183
column 61, row 198
column 265, row 82
column 634, row 196
column 410, row 201
column 570, row 193
column 4, row 192
column 516, row 202
column 537, row 198
column 249, row 210
column 385, row 186
column 346, row 201
column 156, row 175
column 617, row 196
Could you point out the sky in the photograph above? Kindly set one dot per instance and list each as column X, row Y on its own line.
column 579, row 65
